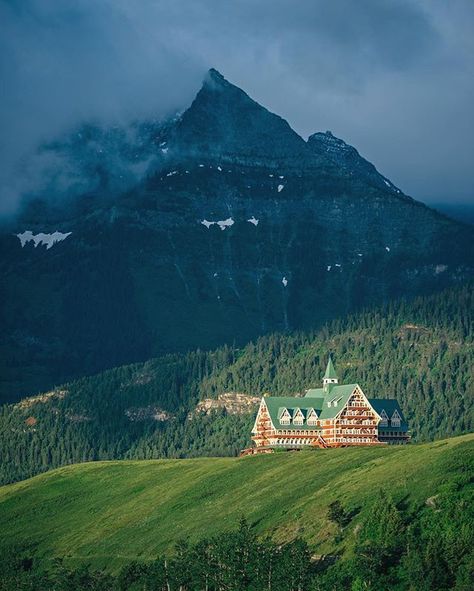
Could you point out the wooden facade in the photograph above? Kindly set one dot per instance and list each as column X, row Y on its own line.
column 356, row 424
column 331, row 416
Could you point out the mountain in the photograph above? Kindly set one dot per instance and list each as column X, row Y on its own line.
column 204, row 403
column 111, row 513
column 348, row 160
column 224, row 123
column 214, row 226
column 463, row 212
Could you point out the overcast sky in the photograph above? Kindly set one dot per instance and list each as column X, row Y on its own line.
column 395, row 78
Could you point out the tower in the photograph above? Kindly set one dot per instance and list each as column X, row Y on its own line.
column 330, row 377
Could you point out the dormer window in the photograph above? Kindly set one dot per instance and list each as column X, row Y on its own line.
column 334, row 402
column 384, row 419
column 396, row 419
column 311, row 417
column 285, row 417
column 298, row 417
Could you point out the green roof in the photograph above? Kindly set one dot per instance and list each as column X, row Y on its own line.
column 315, row 393
column 389, row 405
column 337, row 397
column 322, row 396
column 327, row 403
column 330, row 371
column 277, row 404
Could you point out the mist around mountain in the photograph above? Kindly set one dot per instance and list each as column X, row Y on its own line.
column 212, row 227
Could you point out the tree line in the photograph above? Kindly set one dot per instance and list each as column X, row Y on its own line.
column 420, row 352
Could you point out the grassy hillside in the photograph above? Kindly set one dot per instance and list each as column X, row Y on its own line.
column 420, row 352
column 109, row 513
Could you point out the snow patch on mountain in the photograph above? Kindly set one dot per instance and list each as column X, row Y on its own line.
column 253, row 220
column 47, row 239
column 223, row 224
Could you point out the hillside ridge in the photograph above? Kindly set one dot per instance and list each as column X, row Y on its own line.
column 111, row 512
column 419, row 352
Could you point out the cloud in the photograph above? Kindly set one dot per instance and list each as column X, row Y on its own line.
column 392, row 77
column 62, row 63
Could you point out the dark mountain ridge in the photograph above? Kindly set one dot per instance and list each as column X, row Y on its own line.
column 230, row 226
column 224, row 122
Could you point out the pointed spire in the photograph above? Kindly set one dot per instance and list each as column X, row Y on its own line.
column 330, row 377
column 330, row 371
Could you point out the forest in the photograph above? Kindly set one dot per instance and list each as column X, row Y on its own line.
column 420, row 352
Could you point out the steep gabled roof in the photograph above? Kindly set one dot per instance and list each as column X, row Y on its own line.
column 283, row 410
column 341, row 394
column 389, row 405
column 318, row 399
column 276, row 405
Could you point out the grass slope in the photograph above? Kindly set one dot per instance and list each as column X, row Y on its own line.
column 108, row 513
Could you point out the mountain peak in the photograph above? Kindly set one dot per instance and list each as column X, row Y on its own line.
column 224, row 122
column 347, row 158
column 214, row 83
column 214, row 77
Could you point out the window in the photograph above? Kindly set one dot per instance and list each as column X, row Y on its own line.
column 395, row 419
column 298, row 418
column 384, row 419
column 311, row 417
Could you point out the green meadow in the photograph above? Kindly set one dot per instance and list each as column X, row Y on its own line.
column 109, row 513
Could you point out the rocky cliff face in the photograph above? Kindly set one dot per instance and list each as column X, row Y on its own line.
column 215, row 226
